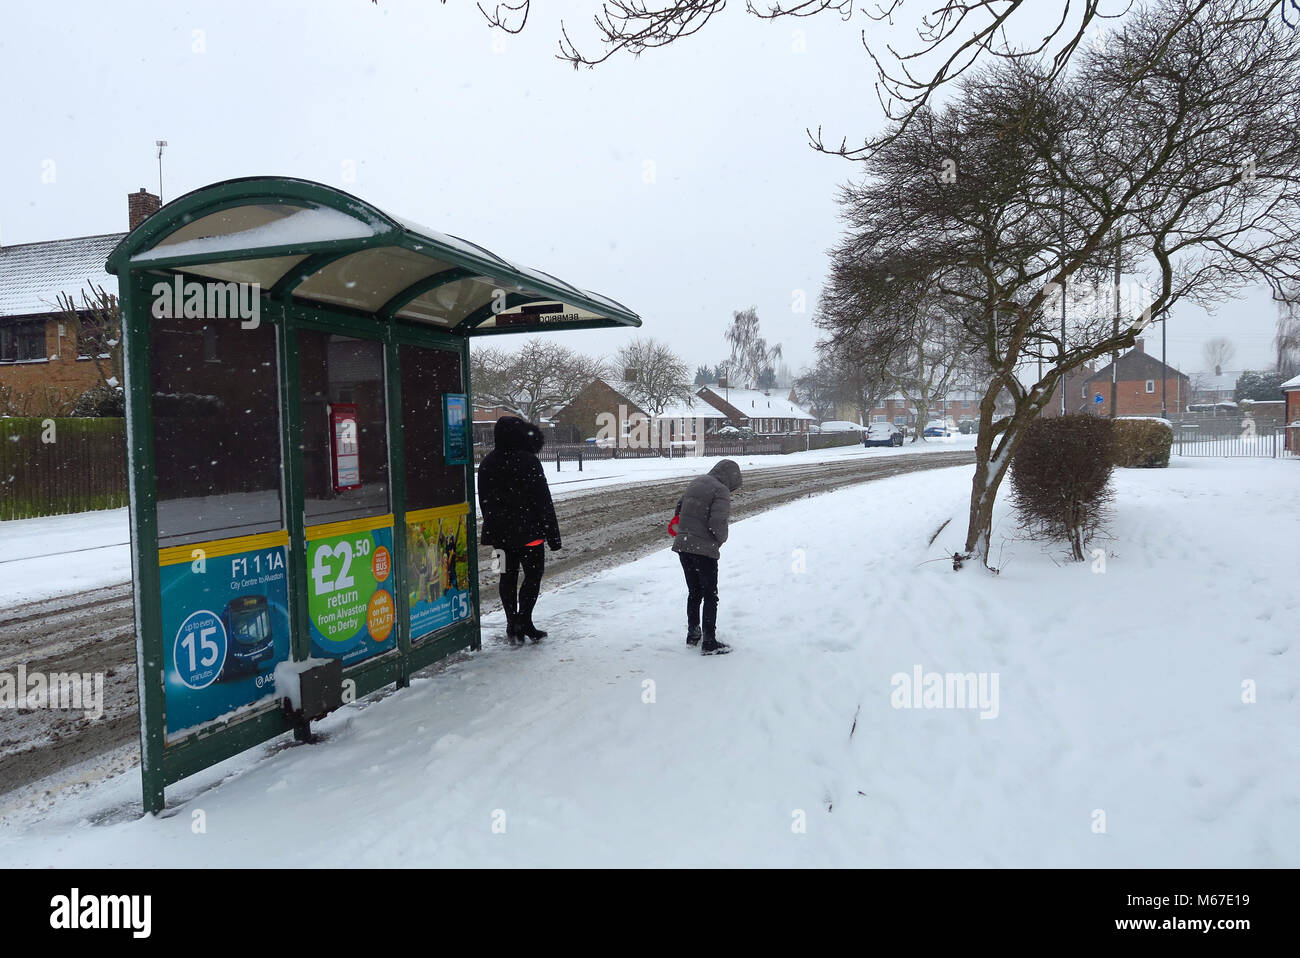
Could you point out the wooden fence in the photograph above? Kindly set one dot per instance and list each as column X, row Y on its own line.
column 51, row 467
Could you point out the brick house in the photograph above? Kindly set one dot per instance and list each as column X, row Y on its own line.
column 959, row 403
column 1077, row 397
column 43, row 368
column 1291, row 389
column 677, row 422
column 762, row 411
column 1139, row 377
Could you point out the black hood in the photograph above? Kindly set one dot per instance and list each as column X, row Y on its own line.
column 512, row 434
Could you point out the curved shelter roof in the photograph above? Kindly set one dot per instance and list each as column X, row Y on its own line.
column 314, row 245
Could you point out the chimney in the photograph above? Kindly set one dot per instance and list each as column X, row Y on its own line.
column 1139, row 345
column 140, row 206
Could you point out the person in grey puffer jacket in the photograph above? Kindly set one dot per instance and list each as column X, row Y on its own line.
column 703, row 514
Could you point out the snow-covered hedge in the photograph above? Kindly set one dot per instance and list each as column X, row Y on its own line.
column 1141, row 442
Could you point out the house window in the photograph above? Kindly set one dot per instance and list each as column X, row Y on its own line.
column 1151, row 385
column 877, row 418
column 965, row 404
column 22, row 341
column 1084, row 390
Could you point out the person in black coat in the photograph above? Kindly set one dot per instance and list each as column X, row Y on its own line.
column 518, row 517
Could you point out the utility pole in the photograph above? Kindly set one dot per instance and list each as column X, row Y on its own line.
column 1114, row 353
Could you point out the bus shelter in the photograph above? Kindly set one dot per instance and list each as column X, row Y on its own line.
column 300, row 450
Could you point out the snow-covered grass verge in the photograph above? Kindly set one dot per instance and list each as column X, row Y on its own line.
column 54, row 555
column 1124, row 732
column 616, row 472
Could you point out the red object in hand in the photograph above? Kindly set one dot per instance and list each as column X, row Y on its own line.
column 672, row 525
column 535, row 542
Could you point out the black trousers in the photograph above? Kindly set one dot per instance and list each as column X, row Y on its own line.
column 516, row 600
column 701, row 587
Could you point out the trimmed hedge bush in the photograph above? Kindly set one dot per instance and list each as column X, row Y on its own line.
column 1141, row 443
column 1060, row 478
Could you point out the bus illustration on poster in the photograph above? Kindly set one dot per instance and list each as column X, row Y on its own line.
column 437, row 558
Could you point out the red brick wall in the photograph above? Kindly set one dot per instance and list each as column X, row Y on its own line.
column 594, row 399
column 63, row 379
column 1134, row 400
column 1292, row 415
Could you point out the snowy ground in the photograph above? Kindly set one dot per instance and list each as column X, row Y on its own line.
column 1120, row 694
column 56, row 555
column 616, row 472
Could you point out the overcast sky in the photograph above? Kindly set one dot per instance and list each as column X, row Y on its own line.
column 680, row 183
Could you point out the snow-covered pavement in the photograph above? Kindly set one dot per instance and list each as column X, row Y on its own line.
column 1144, row 715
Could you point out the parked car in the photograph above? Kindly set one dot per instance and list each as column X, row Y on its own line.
column 883, row 434
column 937, row 427
column 839, row 425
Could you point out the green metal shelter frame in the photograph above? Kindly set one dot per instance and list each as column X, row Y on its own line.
column 327, row 261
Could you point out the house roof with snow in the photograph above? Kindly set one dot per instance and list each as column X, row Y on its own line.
column 32, row 275
column 757, row 404
column 1291, row 384
column 692, row 408
column 1225, row 381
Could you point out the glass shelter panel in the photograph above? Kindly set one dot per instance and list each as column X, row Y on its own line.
column 216, row 417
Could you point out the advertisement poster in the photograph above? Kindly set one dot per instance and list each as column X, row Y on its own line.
column 350, row 601
column 225, row 617
column 456, row 431
column 343, row 438
column 437, row 559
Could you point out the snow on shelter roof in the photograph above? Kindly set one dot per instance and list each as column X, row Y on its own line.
column 315, row 246
column 1292, row 383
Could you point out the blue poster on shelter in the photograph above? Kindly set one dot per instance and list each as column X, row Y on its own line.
column 225, row 619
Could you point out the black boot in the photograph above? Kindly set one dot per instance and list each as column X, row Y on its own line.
column 711, row 646
column 531, row 631
column 512, row 629
column 693, row 635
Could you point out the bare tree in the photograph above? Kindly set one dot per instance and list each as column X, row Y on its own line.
column 1140, row 150
column 1287, row 339
column 1217, row 353
column 751, row 356
column 949, row 40
column 661, row 375
column 97, row 325
column 541, row 375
